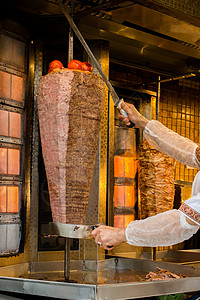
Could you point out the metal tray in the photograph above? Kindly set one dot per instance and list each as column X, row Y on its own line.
column 116, row 278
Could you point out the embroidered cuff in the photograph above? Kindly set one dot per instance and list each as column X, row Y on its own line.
column 190, row 213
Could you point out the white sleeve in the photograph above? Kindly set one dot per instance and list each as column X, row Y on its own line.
column 164, row 229
column 171, row 143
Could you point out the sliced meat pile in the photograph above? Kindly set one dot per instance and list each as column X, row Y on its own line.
column 162, row 274
column 70, row 106
column 156, row 181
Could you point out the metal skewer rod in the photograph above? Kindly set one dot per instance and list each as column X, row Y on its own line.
column 89, row 52
column 67, row 259
column 157, row 117
column 68, row 240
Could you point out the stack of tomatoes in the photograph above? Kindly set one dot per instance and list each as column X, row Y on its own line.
column 78, row 65
column 73, row 64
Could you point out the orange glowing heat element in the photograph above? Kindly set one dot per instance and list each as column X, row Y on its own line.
column 11, row 86
column 130, row 196
column 15, row 125
column 125, row 166
column 119, row 196
column 5, row 84
column 3, row 161
column 9, row 161
column 4, row 122
column 2, row 199
column 9, row 199
column 10, row 124
column 124, row 196
column 118, row 166
column 17, row 88
column 12, row 199
column 122, row 221
column 13, row 161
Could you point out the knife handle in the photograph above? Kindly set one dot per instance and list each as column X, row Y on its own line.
column 124, row 113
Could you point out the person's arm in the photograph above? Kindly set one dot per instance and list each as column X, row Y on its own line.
column 164, row 229
column 164, row 139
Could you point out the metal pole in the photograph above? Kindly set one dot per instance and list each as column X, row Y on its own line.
column 158, row 99
column 70, row 45
column 68, row 240
column 108, row 166
column 157, row 117
column 67, row 259
column 154, row 253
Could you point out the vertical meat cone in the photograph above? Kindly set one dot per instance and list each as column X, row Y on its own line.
column 70, row 106
column 156, row 181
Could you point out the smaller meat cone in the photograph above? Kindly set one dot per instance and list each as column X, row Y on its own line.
column 70, row 106
column 156, row 181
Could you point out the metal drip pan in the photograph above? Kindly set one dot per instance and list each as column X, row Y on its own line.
column 191, row 256
column 116, row 278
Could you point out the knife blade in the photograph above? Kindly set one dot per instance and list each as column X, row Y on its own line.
column 117, row 101
column 72, row 230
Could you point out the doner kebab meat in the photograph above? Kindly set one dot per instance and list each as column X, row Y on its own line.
column 70, row 106
column 156, row 181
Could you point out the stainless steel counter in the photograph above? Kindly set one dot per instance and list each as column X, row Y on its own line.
column 116, row 278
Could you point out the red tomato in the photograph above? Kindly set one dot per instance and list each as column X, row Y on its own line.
column 75, row 65
column 55, row 64
column 87, row 67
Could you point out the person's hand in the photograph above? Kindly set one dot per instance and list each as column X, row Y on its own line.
column 133, row 116
column 107, row 236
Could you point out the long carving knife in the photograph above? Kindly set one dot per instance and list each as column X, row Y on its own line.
column 117, row 101
column 73, row 231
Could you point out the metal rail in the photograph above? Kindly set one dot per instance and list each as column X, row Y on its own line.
column 165, row 80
